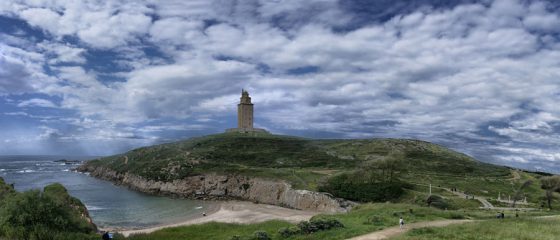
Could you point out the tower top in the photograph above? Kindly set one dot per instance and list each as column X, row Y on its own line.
column 245, row 99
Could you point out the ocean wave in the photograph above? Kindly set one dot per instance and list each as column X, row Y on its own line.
column 26, row 171
column 199, row 207
column 94, row 208
column 66, row 170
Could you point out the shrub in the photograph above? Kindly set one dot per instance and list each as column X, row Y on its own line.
column 350, row 188
column 456, row 216
column 288, row 232
column 261, row 235
column 308, row 227
column 375, row 220
column 437, row 201
column 52, row 214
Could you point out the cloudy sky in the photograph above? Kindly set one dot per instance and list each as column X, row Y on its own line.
column 102, row 77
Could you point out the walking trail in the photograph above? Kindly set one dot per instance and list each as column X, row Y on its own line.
column 394, row 231
column 482, row 200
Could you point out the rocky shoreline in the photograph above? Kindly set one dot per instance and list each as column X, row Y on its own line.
column 226, row 187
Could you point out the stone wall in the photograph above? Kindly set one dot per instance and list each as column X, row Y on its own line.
column 213, row 186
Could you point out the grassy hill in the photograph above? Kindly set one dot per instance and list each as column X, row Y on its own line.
column 308, row 163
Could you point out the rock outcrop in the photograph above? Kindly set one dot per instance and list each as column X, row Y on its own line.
column 214, row 186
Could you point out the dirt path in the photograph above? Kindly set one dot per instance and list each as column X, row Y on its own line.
column 394, row 231
column 515, row 175
column 482, row 200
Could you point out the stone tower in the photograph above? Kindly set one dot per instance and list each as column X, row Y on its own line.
column 245, row 116
column 245, row 111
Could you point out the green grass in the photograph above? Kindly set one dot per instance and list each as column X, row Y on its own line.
column 363, row 219
column 48, row 214
column 308, row 163
column 373, row 217
column 214, row 231
column 512, row 228
column 245, row 153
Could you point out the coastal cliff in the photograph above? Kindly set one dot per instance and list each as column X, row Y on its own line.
column 215, row 186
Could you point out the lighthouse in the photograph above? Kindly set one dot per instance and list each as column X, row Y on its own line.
column 245, row 115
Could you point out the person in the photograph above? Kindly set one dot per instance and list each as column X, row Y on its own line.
column 204, row 214
column 401, row 222
column 106, row 236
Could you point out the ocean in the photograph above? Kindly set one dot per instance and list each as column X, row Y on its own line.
column 110, row 206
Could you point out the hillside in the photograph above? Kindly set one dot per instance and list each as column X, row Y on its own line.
column 48, row 214
column 308, row 163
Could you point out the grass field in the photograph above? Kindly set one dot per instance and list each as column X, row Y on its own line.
column 510, row 228
column 361, row 220
column 214, row 231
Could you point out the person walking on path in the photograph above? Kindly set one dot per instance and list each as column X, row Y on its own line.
column 401, row 222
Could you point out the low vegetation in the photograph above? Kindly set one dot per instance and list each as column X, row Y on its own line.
column 393, row 171
column 509, row 228
column 363, row 219
column 50, row 214
column 359, row 169
column 352, row 187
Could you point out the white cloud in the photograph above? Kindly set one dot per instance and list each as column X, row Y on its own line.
column 37, row 102
column 42, row 17
column 22, row 70
column 99, row 24
column 116, row 30
column 177, row 31
column 426, row 73
column 63, row 53
column 539, row 18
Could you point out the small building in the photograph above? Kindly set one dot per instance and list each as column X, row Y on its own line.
column 245, row 115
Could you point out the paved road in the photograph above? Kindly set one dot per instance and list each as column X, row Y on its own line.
column 394, row 231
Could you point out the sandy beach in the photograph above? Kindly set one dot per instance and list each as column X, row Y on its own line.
column 236, row 212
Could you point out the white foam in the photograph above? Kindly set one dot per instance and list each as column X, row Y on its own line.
column 26, row 171
column 94, row 208
column 199, row 207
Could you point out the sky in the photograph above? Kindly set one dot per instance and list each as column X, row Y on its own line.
column 98, row 77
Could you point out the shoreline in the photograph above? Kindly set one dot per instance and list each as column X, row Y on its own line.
column 232, row 212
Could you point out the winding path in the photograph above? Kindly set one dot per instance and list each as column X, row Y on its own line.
column 482, row 200
column 394, row 231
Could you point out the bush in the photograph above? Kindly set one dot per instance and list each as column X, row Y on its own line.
column 52, row 214
column 261, row 235
column 288, row 232
column 308, row 227
column 437, row 201
column 456, row 216
column 350, row 188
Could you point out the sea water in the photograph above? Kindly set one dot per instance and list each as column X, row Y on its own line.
column 110, row 206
